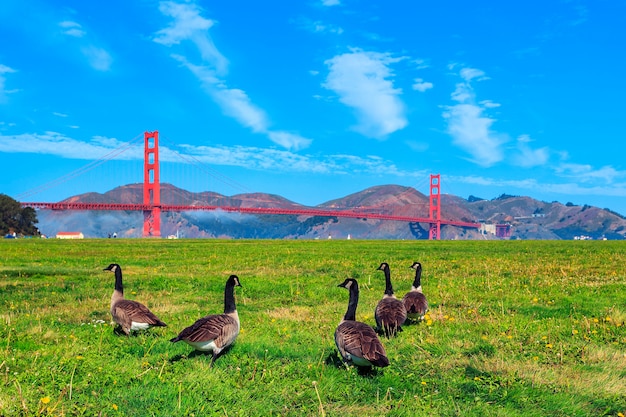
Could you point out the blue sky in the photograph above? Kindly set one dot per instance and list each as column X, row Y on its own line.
column 317, row 99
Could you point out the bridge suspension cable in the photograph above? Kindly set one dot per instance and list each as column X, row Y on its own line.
column 85, row 168
column 205, row 168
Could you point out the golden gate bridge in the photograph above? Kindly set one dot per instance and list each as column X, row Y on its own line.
column 152, row 206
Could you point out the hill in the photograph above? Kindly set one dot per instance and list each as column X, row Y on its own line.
column 528, row 218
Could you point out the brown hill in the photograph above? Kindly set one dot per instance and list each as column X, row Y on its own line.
column 528, row 218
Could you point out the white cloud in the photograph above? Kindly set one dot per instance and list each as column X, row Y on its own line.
column 526, row 156
column 321, row 27
column 361, row 80
column 420, row 64
column 547, row 188
column 488, row 104
column 469, row 127
column 331, row 2
column 237, row 105
column 289, row 140
column 234, row 103
column 189, row 25
column 421, row 85
column 468, row 74
column 3, row 91
column 98, row 58
column 72, row 29
column 53, row 143
column 255, row 158
column 586, row 173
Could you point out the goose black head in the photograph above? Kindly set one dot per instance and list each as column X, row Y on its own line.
column 383, row 266
column 349, row 282
column 234, row 280
column 416, row 265
column 112, row 267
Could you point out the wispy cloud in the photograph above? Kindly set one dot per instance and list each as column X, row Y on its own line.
column 189, row 25
column 420, row 85
column 255, row 158
column 318, row 26
column 586, row 173
column 471, row 128
column 331, row 2
column 57, row 144
column 532, row 185
column 97, row 57
column 361, row 79
column 527, row 157
column 580, row 179
column 72, row 29
column 468, row 124
column 3, row 91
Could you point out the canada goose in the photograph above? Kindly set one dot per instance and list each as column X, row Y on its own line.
column 357, row 342
column 128, row 314
column 390, row 313
column 415, row 301
column 216, row 332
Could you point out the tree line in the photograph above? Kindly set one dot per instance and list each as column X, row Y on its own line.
column 15, row 220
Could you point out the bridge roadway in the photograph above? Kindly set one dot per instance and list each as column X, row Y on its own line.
column 349, row 213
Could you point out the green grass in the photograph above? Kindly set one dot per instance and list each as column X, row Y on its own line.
column 533, row 328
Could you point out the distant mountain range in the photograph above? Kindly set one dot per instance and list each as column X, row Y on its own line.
column 528, row 218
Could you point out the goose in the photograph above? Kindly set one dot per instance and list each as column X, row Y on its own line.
column 128, row 314
column 415, row 301
column 357, row 342
column 216, row 332
column 390, row 312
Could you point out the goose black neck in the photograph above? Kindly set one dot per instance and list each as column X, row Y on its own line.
column 353, row 302
column 229, row 298
column 388, row 287
column 118, row 280
column 418, row 277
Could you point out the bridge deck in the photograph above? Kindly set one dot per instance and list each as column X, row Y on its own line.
column 364, row 213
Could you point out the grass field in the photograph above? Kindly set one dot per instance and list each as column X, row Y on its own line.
column 532, row 328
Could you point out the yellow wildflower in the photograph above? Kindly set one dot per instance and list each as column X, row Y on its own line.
column 45, row 400
column 114, row 407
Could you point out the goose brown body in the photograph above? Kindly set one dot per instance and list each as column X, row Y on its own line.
column 390, row 313
column 128, row 314
column 415, row 301
column 215, row 333
column 358, row 343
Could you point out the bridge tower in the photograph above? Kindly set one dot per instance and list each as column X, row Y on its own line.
column 434, row 212
column 151, row 186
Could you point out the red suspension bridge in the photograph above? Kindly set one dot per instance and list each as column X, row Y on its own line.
column 152, row 206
